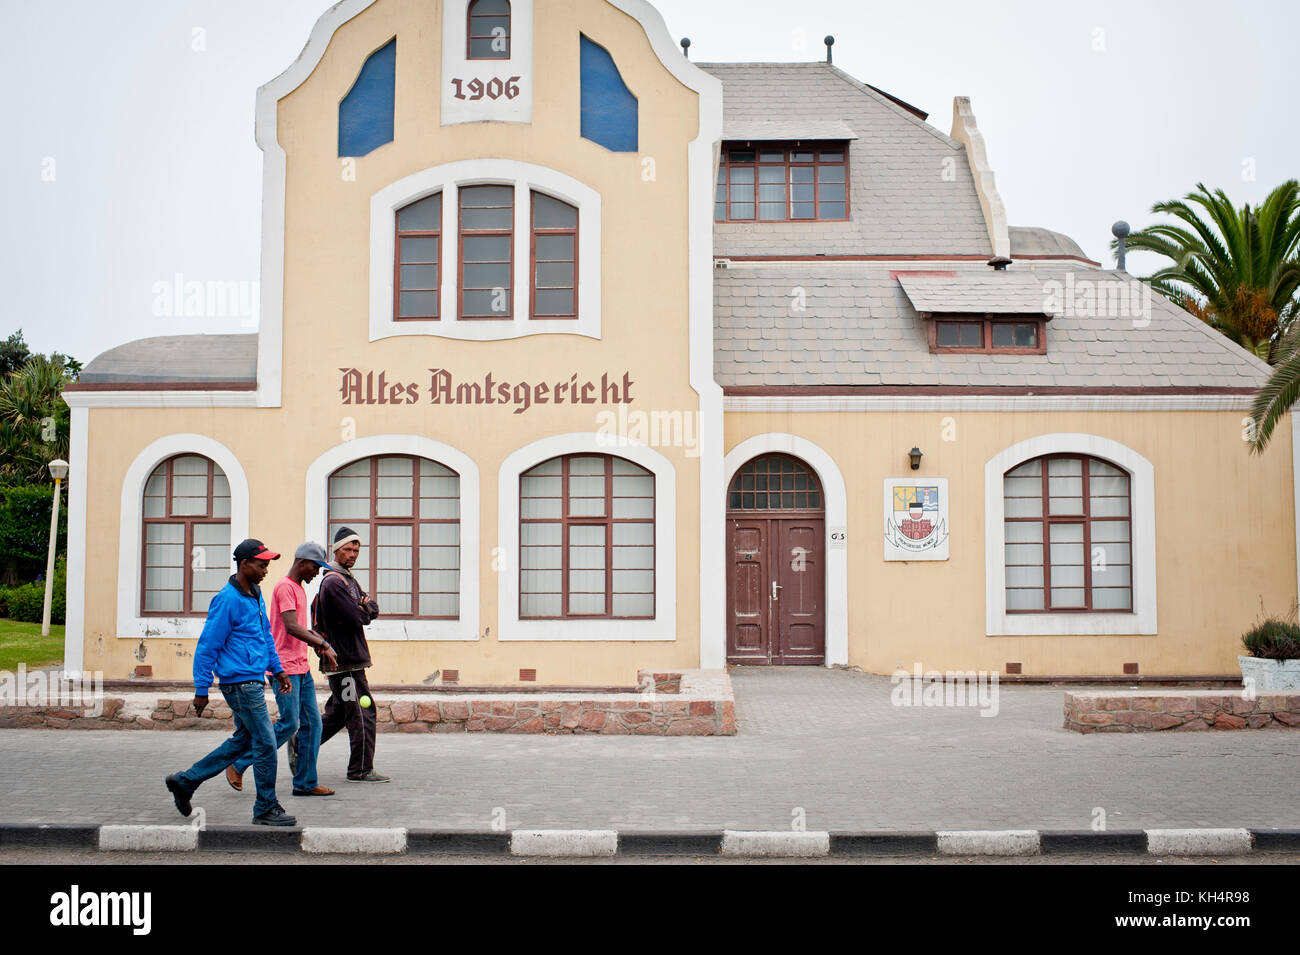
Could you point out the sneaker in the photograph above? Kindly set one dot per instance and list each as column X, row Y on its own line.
column 235, row 778
column 179, row 794
column 370, row 777
column 293, row 755
column 275, row 817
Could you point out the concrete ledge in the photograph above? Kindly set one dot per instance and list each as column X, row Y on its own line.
column 41, row 836
column 883, row 843
column 1198, row 842
column 251, row 839
column 605, row 842
column 148, row 838
column 976, row 842
column 1086, row 840
column 354, row 841
column 457, row 843
column 779, row 844
column 564, row 842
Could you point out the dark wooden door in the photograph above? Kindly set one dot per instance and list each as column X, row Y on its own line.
column 776, row 590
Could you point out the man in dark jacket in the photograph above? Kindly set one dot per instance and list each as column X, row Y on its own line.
column 342, row 611
column 236, row 645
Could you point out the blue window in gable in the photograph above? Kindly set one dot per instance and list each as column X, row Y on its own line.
column 609, row 110
column 366, row 113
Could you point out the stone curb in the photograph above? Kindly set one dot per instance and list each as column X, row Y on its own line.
column 589, row 843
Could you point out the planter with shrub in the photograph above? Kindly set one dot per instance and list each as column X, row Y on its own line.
column 1273, row 663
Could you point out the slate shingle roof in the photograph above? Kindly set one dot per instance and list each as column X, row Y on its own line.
column 910, row 186
column 176, row 358
column 859, row 328
column 1007, row 293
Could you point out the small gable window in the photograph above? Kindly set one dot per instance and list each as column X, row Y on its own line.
column 489, row 30
column 782, row 182
column 988, row 335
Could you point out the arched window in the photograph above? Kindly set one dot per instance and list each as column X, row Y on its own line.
column 187, row 548
column 418, row 245
column 489, row 30
column 775, row 482
column 1068, row 536
column 587, row 539
column 555, row 258
column 406, row 510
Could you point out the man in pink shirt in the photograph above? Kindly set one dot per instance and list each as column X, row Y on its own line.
column 299, row 714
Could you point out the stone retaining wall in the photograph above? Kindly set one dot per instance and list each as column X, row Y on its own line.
column 694, row 704
column 1145, row 711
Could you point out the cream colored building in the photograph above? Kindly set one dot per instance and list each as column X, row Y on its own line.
column 616, row 361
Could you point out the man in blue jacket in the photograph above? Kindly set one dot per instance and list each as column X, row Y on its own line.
column 236, row 645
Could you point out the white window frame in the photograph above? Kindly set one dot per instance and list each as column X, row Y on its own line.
column 449, row 179
column 663, row 626
column 317, row 527
column 1142, row 529
column 132, row 624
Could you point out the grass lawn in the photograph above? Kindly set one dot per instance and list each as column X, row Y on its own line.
column 23, row 643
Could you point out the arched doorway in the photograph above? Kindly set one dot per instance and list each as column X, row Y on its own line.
column 776, row 574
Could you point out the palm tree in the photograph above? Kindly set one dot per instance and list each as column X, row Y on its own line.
column 33, row 420
column 1238, row 270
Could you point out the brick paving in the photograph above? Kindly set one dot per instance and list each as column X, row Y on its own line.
column 828, row 744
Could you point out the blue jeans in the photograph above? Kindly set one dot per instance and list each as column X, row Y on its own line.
column 253, row 732
column 298, row 714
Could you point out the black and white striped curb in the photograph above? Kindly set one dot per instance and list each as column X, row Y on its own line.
column 589, row 843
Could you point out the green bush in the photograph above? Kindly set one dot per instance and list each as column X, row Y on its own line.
column 25, row 530
column 1273, row 639
column 27, row 603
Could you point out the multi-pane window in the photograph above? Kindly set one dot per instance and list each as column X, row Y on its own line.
column 1068, row 545
column 406, row 510
column 187, row 548
column 555, row 258
column 489, row 30
column 587, row 539
column 419, row 252
column 774, row 482
column 987, row 335
column 487, row 219
column 776, row 183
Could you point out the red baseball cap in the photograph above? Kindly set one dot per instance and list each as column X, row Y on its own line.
column 254, row 550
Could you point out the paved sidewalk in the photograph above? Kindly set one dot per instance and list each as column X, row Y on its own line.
column 828, row 743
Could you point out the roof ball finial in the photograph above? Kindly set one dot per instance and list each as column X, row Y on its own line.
column 686, row 47
column 830, row 42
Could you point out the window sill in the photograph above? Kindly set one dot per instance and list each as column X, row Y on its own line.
column 1094, row 623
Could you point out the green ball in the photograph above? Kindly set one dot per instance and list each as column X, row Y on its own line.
column 365, row 701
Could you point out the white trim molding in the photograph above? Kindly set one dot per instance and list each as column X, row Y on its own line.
column 664, row 624
column 317, row 526
column 131, row 623
column 448, row 179
column 457, row 65
column 1142, row 503
column 74, row 631
column 837, row 519
column 790, row 404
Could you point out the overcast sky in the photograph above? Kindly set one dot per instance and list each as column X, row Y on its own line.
column 128, row 156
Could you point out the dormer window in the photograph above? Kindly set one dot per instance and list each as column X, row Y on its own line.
column 783, row 182
column 489, row 30
column 990, row 334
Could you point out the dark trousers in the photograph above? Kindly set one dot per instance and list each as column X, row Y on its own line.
column 344, row 708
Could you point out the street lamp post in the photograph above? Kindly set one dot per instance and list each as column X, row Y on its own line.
column 58, row 470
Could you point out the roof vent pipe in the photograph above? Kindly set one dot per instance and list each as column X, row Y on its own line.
column 686, row 47
column 830, row 42
column 1120, row 231
column 999, row 263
